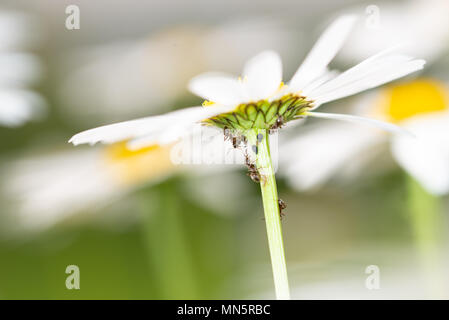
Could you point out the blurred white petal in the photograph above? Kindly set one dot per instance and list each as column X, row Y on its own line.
column 327, row 76
column 20, row 106
column 18, row 30
column 422, row 24
column 391, row 68
column 387, row 57
column 263, row 75
column 362, row 120
column 323, row 52
column 73, row 181
column 121, row 79
column 319, row 153
column 426, row 158
column 218, row 87
column 157, row 125
column 19, row 69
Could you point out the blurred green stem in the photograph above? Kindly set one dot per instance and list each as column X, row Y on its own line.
column 426, row 222
column 167, row 248
column 260, row 139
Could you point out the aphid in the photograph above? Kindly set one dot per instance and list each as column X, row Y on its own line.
column 282, row 206
column 236, row 141
column 227, row 133
column 254, row 149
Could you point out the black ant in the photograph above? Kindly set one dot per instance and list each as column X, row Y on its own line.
column 253, row 173
column 278, row 124
column 282, row 206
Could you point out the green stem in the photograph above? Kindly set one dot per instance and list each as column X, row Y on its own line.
column 168, row 250
column 260, row 139
column 426, row 221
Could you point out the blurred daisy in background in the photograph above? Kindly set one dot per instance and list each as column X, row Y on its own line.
column 19, row 69
column 420, row 24
column 87, row 180
column 125, row 78
column 77, row 181
column 423, row 28
column 420, row 106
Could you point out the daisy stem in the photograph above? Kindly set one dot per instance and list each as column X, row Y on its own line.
column 260, row 139
column 425, row 218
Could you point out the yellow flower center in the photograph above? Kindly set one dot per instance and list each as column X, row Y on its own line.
column 208, row 103
column 406, row 100
column 138, row 166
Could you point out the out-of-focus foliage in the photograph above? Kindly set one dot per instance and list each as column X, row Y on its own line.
column 186, row 235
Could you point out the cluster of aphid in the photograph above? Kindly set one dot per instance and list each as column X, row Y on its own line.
column 241, row 141
column 236, row 140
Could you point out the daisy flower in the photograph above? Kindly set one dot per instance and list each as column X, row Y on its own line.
column 258, row 103
column 420, row 106
column 95, row 177
column 420, row 24
column 87, row 180
column 259, row 99
column 19, row 70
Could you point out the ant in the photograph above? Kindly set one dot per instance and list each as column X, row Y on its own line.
column 253, row 173
column 278, row 124
column 282, row 206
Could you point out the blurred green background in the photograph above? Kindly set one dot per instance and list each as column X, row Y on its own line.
column 185, row 235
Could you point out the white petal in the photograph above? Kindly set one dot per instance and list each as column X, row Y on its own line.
column 327, row 76
column 356, row 119
column 171, row 133
column 423, row 24
column 323, row 52
column 218, row 87
column 320, row 153
column 74, row 181
column 156, row 125
column 379, row 75
column 19, row 69
column 364, row 68
column 378, row 69
column 19, row 106
column 263, row 75
column 427, row 157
